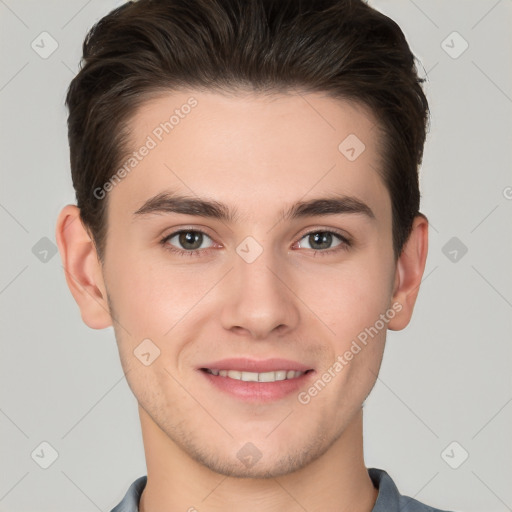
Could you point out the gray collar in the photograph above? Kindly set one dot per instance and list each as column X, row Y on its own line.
column 388, row 500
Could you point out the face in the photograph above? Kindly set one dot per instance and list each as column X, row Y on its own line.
column 263, row 281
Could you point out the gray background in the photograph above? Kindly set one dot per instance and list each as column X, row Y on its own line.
column 445, row 378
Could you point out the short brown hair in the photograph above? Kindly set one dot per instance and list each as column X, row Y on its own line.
column 340, row 47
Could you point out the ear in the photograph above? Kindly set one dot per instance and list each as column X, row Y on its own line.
column 82, row 268
column 409, row 272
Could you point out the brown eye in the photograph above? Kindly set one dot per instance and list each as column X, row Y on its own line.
column 187, row 240
column 322, row 240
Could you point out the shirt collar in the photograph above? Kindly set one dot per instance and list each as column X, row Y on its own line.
column 388, row 499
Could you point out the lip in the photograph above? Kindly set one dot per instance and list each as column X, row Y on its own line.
column 245, row 364
column 258, row 392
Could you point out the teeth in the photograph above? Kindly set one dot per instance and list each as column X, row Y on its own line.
column 257, row 377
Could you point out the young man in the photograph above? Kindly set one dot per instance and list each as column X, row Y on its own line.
column 248, row 221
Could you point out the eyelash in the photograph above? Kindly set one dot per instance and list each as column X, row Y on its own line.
column 345, row 244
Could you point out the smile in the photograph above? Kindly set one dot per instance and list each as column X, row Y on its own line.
column 256, row 377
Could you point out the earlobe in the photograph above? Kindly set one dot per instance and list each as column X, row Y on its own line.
column 82, row 269
column 409, row 272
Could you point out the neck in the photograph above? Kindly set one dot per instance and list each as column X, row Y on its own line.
column 336, row 481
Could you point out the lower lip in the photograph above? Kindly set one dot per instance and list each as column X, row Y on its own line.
column 257, row 391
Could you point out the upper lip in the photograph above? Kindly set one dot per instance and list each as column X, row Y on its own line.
column 245, row 364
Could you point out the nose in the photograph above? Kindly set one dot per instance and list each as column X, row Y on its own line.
column 259, row 299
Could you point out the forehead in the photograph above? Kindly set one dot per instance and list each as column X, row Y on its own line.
column 254, row 152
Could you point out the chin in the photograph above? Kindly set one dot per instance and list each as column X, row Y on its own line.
column 256, row 460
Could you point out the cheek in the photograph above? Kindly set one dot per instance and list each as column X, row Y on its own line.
column 348, row 298
column 151, row 297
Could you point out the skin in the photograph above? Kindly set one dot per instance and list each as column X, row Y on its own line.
column 257, row 155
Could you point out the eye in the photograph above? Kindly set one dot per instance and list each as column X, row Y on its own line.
column 189, row 241
column 322, row 241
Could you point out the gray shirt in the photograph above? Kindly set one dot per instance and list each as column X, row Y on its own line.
column 388, row 500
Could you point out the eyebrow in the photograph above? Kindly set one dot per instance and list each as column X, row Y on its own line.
column 336, row 204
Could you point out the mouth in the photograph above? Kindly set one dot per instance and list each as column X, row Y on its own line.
column 256, row 380
column 273, row 376
column 257, row 387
